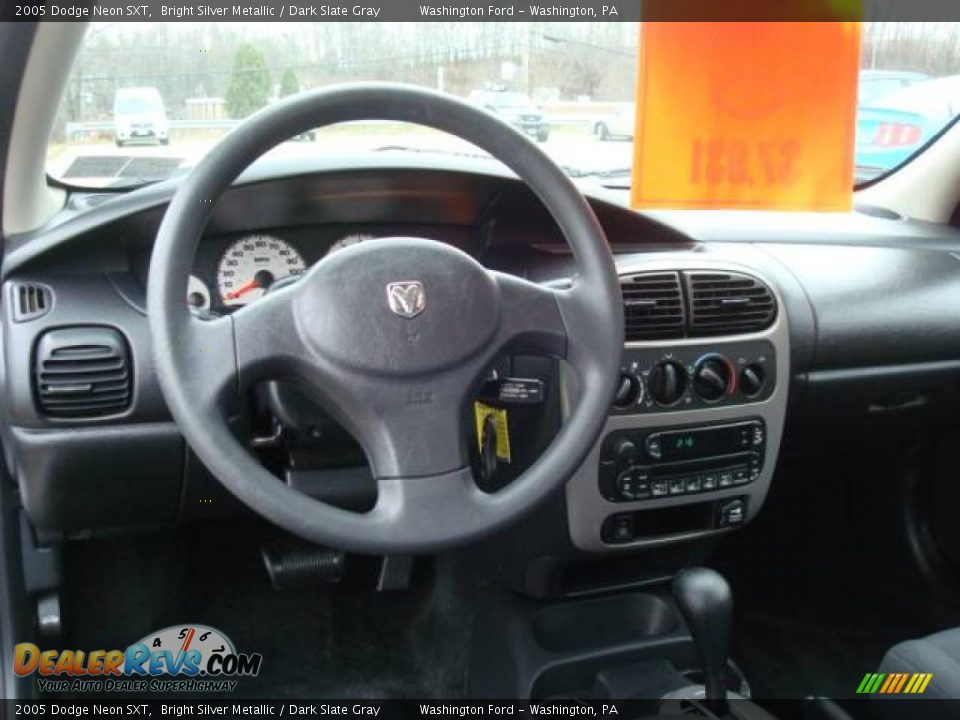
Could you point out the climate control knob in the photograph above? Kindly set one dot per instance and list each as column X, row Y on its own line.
column 752, row 380
column 628, row 392
column 667, row 382
column 713, row 378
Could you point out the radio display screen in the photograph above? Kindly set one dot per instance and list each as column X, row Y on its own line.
column 703, row 442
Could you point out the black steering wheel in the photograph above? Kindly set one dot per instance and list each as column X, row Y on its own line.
column 392, row 334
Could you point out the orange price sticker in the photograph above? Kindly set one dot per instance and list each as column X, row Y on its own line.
column 754, row 115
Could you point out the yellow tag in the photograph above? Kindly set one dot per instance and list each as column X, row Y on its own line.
column 481, row 412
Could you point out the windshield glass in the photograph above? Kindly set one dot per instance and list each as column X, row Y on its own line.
column 146, row 101
column 135, row 106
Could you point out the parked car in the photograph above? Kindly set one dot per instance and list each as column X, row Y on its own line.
column 617, row 124
column 516, row 108
column 894, row 126
column 876, row 83
column 139, row 116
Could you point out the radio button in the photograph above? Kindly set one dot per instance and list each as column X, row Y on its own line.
column 621, row 529
column 659, row 488
column 694, row 484
column 710, row 481
column 741, row 475
column 633, row 484
column 678, row 486
column 726, row 478
column 732, row 513
column 654, row 448
column 625, row 451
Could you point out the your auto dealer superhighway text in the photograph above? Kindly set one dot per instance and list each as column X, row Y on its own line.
column 286, row 10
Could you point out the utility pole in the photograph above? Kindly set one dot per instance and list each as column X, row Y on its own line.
column 525, row 52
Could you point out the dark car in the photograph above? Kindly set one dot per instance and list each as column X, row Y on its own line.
column 515, row 108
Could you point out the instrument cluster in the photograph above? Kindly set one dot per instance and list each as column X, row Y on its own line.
column 234, row 271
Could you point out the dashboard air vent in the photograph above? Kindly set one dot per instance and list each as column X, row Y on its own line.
column 82, row 372
column 30, row 301
column 724, row 303
column 652, row 306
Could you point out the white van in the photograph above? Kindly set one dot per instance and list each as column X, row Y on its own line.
column 139, row 116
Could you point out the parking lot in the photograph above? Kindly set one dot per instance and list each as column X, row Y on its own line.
column 103, row 162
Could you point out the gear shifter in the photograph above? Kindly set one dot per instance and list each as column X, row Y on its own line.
column 706, row 603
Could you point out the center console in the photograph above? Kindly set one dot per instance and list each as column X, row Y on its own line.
column 691, row 441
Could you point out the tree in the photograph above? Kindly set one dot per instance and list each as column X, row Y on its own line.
column 584, row 72
column 249, row 86
column 289, row 84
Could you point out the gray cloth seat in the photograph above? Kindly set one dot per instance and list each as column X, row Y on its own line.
column 938, row 654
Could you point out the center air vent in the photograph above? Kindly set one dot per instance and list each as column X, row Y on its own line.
column 724, row 303
column 82, row 372
column 652, row 306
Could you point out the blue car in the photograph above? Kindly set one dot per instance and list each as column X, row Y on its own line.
column 892, row 127
column 873, row 84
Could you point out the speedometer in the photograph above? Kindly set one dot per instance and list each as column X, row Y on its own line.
column 252, row 264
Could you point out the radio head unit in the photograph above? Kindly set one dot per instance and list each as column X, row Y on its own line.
column 639, row 465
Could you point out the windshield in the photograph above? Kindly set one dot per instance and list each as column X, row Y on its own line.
column 146, row 101
column 135, row 106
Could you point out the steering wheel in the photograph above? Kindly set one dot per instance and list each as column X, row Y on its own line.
column 393, row 335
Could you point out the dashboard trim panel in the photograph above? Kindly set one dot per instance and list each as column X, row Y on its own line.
column 587, row 509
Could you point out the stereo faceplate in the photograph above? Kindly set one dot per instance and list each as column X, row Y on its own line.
column 642, row 465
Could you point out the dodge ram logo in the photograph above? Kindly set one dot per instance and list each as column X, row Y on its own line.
column 406, row 299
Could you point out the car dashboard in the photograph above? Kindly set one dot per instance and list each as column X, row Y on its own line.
column 741, row 327
column 236, row 269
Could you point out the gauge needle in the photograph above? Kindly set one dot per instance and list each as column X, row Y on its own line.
column 243, row 289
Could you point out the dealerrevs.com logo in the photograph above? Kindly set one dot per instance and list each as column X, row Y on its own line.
column 180, row 658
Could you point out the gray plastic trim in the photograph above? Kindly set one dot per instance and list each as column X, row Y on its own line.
column 587, row 508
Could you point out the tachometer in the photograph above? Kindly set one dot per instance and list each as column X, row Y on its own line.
column 349, row 240
column 252, row 264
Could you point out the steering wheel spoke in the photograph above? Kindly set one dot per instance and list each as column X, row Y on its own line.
column 531, row 320
column 268, row 342
column 432, row 504
column 416, row 430
column 209, row 366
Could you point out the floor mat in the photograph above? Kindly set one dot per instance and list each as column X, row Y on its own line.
column 341, row 640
